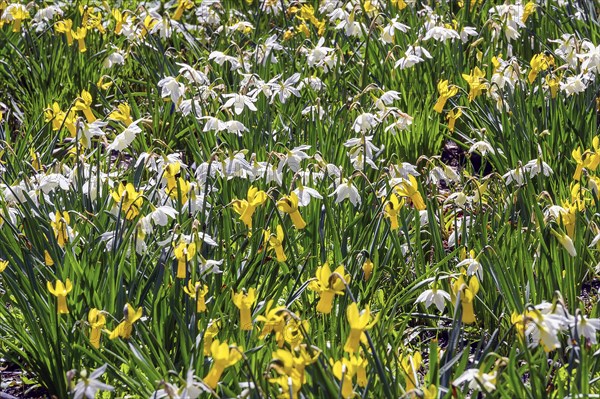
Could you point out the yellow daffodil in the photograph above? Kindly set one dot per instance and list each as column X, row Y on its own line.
column 328, row 284
column 276, row 243
column 118, row 16
column 446, row 92
column 367, row 269
column 182, row 5
column 80, row 35
column 101, row 84
column 274, row 319
column 391, row 209
column 411, row 364
column 540, row 62
column 48, row 261
column 17, row 13
column 476, row 81
column 290, row 366
column 223, row 356
column 452, row 116
column 529, row 9
column 184, row 253
column 467, row 296
column 84, row 103
column 345, row 370
column 60, row 291
column 244, row 301
column 129, row 200
column 410, row 188
column 245, row 208
column 289, row 205
column 3, row 265
column 197, row 291
column 60, row 225
column 211, row 331
column 66, row 27
column 125, row 328
column 122, row 114
column 97, row 321
column 359, row 322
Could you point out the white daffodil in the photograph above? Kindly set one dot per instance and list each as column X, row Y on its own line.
column 89, row 385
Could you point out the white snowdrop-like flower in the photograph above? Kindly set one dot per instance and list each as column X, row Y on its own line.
column 239, row 102
column 365, row 122
column 89, row 385
column 346, row 190
column 483, row 147
column 434, row 296
column 171, row 88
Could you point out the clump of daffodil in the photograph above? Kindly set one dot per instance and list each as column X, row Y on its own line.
column 245, row 208
column 476, row 81
column 289, row 204
column 84, row 104
column 410, row 365
column 60, row 225
column 184, row 253
column 122, row 114
column 197, row 291
column 244, row 301
column 446, row 92
column 97, row 322
column 60, row 291
column 391, row 209
column 467, row 296
column 290, row 366
column 359, row 321
column 275, row 243
column 410, row 188
column 328, row 284
column 223, row 356
column 346, row 369
column 129, row 200
column 125, row 328
column 539, row 62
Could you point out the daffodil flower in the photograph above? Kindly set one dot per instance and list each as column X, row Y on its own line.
column 274, row 319
column 125, row 328
column 391, row 209
column 182, row 5
column 97, row 322
column 328, row 284
column 122, row 114
column 60, row 224
column 411, row 364
column 84, row 103
column 359, row 322
column 211, row 331
column 367, row 269
column 289, row 204
column 276, row 243
column 197, row 291
column 80, row 35
column 129, row 199
column 446, row 92
column 244, row 301
column 60, row 291
column 539, row 62
column 245, row 208
column 467, row 296
column 65, row 26
column 410, row 188
column 223, row 356
column 346, row 369
column 452, row 117
column 3, row 265
column 184, row 253
column 476, row 81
